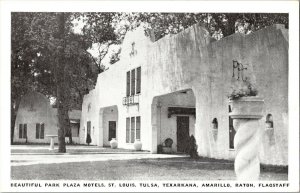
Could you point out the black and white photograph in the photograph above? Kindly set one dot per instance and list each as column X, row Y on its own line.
column 130, row 96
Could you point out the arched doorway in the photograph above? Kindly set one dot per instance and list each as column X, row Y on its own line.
column 108, row 124
column 174, row 117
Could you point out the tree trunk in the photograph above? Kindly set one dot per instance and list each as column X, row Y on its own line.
column 62, row 111
column 14, row 111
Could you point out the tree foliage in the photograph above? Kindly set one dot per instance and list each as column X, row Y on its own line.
column 48, row 57
column 218, row 24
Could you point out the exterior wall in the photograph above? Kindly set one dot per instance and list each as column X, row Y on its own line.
column 192, row 60
column 89, row 115
column 183, row 61
column 35, row 108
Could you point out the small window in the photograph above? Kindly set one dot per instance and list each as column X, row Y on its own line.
column 270, row 129
column 89, row 107
column 215, row 128
column 215, row 123
column 40, row 131
column 22, row 131
column 269, row 121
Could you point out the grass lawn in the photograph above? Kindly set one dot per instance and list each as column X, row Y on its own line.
column 143, row 169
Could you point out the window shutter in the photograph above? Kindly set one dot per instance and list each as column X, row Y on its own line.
column 132, row 82
column 25, row 131
column 20, row 131
column 37, row 131
column 42, row 131
column 132, row 129
column 127, row 129
column 128, row 84
column 138, row 80
column 138, row 127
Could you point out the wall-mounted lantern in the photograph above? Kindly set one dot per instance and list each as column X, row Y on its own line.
column 240, row 70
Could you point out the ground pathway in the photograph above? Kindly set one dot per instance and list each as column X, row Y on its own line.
column 95, row 163
column 28, row 155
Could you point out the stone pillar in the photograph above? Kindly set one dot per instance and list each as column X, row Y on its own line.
column 246, row 113
column 247, row 142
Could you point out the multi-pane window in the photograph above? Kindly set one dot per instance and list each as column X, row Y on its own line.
column 40, row 130
column 133, row 82
column 138, row 128
column 138, row 80
column 133, row 129
column 22, row 131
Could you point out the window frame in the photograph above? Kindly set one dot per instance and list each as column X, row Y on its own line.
column 129, row 129
column 133, row 81
column 23, row 129
column 40, row 131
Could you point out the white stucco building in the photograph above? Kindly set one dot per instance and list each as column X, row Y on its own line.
column 36, row 119
column 177, row 87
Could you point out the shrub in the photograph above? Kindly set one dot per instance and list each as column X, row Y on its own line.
column 242, row 89
column 88, row 139
column 192, row 147
column 159, row 149
column 168, row 142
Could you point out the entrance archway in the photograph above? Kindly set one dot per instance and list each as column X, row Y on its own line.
column 108, row 124
column 174, row 117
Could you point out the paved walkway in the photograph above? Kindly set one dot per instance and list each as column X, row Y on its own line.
column 45, row 146
column 28, row 156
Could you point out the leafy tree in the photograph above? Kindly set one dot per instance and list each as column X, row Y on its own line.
column 218, row 24
column 52, row 60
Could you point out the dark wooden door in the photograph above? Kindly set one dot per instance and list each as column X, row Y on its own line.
column 182, row 133
column 111, row 129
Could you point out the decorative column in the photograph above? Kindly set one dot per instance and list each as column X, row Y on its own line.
column 246, row 112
